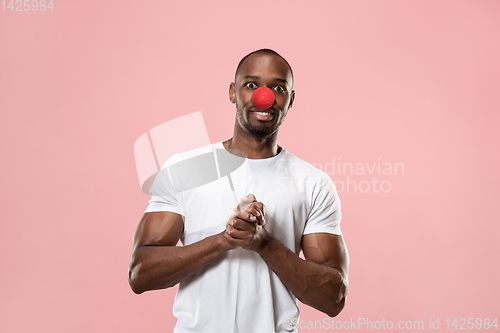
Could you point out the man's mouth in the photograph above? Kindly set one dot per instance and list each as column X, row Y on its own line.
column 262, row 115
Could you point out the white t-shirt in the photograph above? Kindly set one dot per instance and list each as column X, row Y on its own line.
column 238, row 292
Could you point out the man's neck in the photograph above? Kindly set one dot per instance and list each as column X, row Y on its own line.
column 254, row 148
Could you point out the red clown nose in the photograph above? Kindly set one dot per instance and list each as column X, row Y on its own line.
column 263, row 98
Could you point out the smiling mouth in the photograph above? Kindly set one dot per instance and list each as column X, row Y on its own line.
column 262, row 115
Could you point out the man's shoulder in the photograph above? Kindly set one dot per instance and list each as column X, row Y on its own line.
column 297, row 165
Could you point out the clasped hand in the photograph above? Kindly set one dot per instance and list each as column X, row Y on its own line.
column 245, row 227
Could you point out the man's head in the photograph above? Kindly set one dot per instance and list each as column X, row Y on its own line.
column 262, row 51
column 262, row 68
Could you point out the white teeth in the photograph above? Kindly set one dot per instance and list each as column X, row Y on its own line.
column 263, row 113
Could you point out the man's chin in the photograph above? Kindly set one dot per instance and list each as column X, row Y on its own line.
column 261, row 133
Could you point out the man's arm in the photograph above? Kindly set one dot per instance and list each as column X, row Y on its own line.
column 157, row 263
column 320, row 281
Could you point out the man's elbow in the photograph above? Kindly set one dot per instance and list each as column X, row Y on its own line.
column 134, row 282
column 140, row 281
column 137, row 274
column 338, row 302
column 336, row 308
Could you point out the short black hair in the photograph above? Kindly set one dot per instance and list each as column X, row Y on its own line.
column 262, row 51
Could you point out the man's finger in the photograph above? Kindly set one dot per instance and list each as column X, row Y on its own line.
column 240, row 224
column 249, row 198
column 243, row 235
column 252, row 214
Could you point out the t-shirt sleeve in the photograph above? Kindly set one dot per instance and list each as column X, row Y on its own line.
column 164, row 197
column 325, row 215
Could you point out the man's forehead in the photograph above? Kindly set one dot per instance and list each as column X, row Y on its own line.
column 262, row 64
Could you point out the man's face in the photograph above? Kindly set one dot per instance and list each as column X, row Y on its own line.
column 262, row 70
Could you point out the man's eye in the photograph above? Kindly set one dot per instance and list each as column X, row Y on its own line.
column 279, row 89
column 251, row 85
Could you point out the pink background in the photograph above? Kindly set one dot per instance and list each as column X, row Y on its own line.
column 411, row 82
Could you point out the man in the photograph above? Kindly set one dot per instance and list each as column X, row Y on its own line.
column 243, row 273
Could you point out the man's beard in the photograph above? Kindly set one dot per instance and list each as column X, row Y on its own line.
column 258, row 132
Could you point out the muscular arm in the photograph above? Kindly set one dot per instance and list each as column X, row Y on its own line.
column 320, row 281
column 157, row 263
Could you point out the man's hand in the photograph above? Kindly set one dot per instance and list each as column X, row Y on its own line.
column 245, row 227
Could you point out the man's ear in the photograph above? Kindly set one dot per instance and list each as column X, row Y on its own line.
column 292, row 98
column 232, row 93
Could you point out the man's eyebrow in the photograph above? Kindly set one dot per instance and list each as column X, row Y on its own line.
column 254, row 77
column 281, row 80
